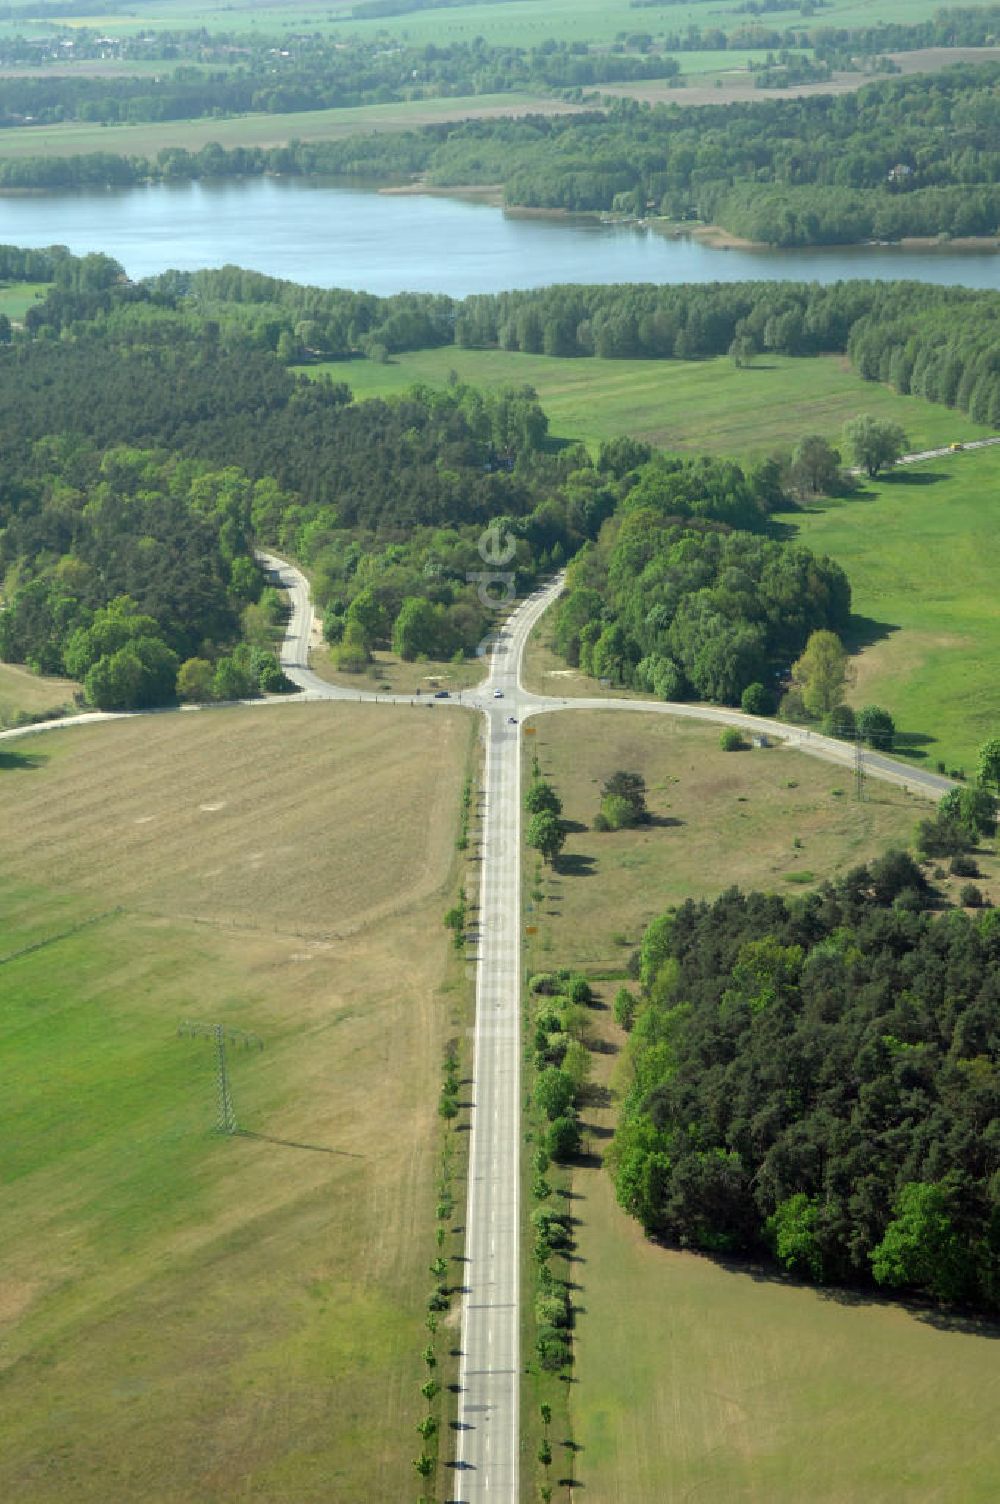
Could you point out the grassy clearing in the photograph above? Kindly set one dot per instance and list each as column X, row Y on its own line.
column 694, row 1379
column 757, row 819
column 251, row 1309
column 390, row 672
column 25, row 693
column 17, row 297
column 920, row 549
column 707, row 406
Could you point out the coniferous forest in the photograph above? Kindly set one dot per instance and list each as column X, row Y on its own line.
column 816, row 1081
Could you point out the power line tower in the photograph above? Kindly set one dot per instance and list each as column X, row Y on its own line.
column 223, row 1035
column 860, row 772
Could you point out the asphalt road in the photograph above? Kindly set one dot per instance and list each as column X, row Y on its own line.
column 936, row 454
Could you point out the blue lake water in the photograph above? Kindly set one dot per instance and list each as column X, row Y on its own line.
column 332, row 236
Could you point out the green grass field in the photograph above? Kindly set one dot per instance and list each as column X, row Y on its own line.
column 705, row 406
column 695, row 1379
column 17, row 297
column 186, row 1316
column 920, row 549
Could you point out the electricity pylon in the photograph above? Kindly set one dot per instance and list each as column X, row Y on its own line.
column 859, row 770
column 221, row 1033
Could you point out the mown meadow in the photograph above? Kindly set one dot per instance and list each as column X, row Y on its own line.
column 184, row 1314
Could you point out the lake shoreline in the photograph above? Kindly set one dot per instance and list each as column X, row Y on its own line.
column 419, row 237
column 716, row 237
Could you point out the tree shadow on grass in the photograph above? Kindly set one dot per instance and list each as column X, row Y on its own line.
column 858, row 1296
column 290, row 1143
column 911, row 743
column 909, row 478
column 577, row 865
column 865, row 631
column 11, row 761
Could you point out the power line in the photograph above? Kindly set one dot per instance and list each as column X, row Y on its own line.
column 222, row 1034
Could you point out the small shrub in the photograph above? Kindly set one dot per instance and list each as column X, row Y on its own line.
column 840, row 722
column 970, row 896
column 963, row 865
column 941, row 836
column 617, row 812
column 553, row 1348
column 755, row 700
column 601, row 822
column 578, row 990
column 624, row 1008
column 876, row 727
column 732, row 740
column 792, row 707
column 563, row 1140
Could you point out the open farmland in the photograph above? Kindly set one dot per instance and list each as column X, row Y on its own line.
column 146, row 139
column 182, row 1315
column 521, row 22
column 700, row 406
column 17, row 297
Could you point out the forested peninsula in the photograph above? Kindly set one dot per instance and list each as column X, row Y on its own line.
column 903, row 157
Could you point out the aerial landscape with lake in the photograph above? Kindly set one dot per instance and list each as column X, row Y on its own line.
column 500, row 752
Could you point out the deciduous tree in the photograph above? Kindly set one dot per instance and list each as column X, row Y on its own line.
column 821, row 673
column 875, row 443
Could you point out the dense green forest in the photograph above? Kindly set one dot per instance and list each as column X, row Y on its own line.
column 147, row 454
column 936, row 342
column 818, row 1081
column 678, row 597
column 170, row 411
column 915, row 156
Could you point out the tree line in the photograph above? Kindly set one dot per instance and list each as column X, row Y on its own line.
column 936, row 342
column 297, row 75
column 816, row 1082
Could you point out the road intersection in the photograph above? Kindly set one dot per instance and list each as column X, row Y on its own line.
column 487, row 1459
